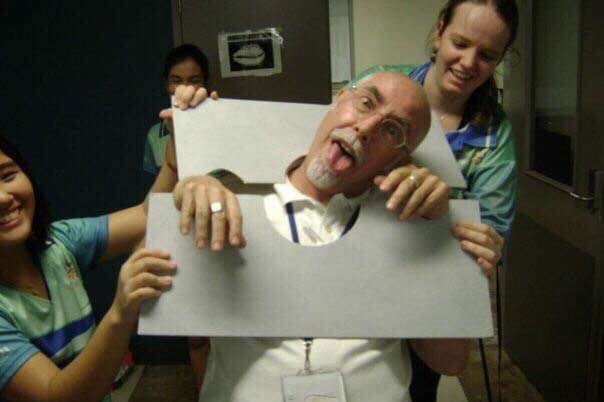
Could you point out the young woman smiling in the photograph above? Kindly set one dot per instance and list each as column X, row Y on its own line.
column 50, row 349
column 469, row 40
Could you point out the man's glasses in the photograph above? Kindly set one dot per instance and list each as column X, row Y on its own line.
column 392, row 132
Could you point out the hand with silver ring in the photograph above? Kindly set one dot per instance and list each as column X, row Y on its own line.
column 415, row 192
column 216, row 207
column 214, row 210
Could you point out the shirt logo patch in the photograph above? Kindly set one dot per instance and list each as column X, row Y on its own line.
column 71, row 272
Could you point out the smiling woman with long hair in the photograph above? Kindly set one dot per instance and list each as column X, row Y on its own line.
column 50, row 349
column 469, row 40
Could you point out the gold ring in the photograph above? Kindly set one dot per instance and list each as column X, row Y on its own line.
column 414, row 179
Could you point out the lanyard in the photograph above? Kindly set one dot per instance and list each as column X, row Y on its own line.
column 294, row 228
column 294, row 231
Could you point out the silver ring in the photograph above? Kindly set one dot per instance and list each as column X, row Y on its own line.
column 216, row 207
column 414, row 179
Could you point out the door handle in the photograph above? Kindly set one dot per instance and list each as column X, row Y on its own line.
column 595, row 200
column 599, row 193
column 582, row 198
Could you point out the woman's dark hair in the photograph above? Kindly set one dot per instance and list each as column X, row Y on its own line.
column 482, row 105
column 182, row 53
column 41, row 213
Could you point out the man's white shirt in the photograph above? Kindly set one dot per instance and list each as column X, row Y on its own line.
column 316, row 224
column 250, row 369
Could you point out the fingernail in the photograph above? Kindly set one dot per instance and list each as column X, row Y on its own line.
column 201, row 243
column 166, row 280
column 390, row 205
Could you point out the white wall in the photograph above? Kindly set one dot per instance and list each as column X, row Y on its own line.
column 339, row 40
column 391, row 31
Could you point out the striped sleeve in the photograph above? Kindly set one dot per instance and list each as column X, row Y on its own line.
column 493, row 182
column 85, row 238
column 15, row 349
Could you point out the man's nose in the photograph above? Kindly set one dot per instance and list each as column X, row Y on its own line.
column 366, row 126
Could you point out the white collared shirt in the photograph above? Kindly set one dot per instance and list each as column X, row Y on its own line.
column 316, row 224
column 250, row 369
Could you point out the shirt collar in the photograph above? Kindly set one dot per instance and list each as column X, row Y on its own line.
column 419, row 74
column 485, row 137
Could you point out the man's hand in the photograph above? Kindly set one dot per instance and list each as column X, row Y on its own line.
column 482, row 242
column 215, row 210
column 416, row 192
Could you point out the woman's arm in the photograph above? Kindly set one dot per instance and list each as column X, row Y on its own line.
column 127, row 227
column 491, row 181
column 90, row 375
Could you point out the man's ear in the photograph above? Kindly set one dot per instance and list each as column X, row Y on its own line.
column 336, row 98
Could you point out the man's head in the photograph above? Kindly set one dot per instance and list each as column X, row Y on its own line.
column 370, row 128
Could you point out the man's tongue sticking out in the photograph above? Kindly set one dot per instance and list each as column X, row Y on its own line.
column 339, row 159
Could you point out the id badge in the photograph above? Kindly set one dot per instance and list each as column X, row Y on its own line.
column 319, row 387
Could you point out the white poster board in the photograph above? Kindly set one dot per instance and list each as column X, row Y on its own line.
column 384, row 279
column 271, row 135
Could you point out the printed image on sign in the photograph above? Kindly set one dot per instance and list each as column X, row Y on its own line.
column 250, row 53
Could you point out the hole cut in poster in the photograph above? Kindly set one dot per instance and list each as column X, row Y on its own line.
column 250, row 53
